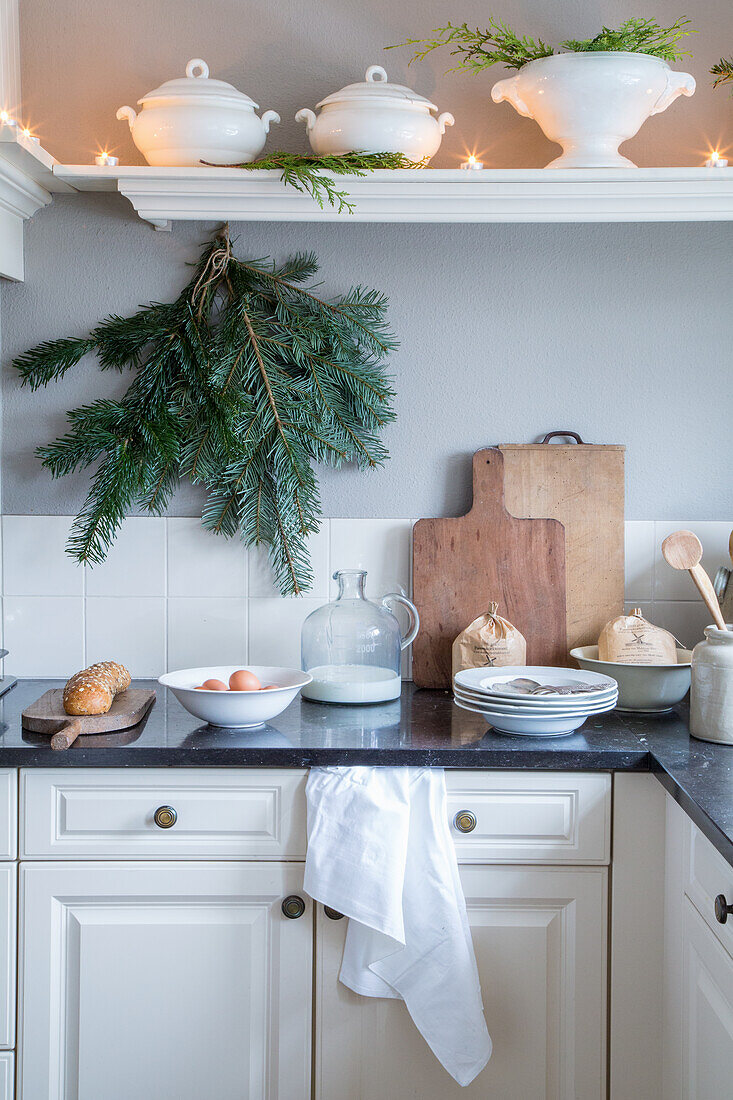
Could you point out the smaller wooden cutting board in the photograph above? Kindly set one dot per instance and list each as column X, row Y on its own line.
column 47, row 715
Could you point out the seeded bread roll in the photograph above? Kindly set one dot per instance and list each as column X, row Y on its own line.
column 92, row 690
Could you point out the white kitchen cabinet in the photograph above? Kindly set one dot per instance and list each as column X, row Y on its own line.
column 154, row 981
column 698, row 965
column 707, row 1012
column 540, row 941
column 7, row 1076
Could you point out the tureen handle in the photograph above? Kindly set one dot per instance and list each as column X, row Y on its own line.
column 128, row 114
column 507, row 89
column 307, row 116
column 194, row 64
column 446, row 119
column 677, row 84
column 376, row 74
column 267, row 118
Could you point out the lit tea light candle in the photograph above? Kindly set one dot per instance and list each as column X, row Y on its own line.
column 472, row 163
column 716, row 161
column 29, row 136
column 106, row 160
column 6, row 120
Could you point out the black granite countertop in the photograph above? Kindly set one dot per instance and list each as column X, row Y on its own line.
column 423, row 728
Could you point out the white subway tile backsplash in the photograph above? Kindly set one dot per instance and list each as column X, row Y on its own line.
column 675, row 584
column 203, row 564
column 135, row 565
column 206, row 632
column 381, row 546
column 639, row 545
column 131, row 631
column 35, row 562
column 260, row 575
column 192, row 598
column 44, row 635
column 274, row 630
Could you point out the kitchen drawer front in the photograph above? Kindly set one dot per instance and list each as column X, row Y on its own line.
column 707, row 874
column 8, row 816
column 234, row 813
column 530, row 817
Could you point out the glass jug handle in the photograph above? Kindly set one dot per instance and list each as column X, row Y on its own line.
column 412, row 611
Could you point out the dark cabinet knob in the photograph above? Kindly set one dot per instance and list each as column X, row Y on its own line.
column 165, row 817
column 722, row 909
column 293, row 907
column 465, row 821
column 332, row 914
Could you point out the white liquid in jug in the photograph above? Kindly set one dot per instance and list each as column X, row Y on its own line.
column 352, row 684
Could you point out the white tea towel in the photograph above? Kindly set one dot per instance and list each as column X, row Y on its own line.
column 380, row 852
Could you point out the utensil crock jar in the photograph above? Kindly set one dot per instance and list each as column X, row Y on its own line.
column 591, row 102
column 194, row 119
column 711, row 692
column 375, row 116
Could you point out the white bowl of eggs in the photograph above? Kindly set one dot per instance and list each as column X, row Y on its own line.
column 235, row 697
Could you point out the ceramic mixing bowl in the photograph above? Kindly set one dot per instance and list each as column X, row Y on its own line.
column 646, row 689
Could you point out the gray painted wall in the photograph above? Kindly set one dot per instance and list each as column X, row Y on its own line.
column 507, row 331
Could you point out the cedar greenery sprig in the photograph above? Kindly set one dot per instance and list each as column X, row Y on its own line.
column 499, row 44
column 722, row 71
column 241, row 385
column 312, row 174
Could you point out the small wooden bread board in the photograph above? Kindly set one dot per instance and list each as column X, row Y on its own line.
column 47, row 715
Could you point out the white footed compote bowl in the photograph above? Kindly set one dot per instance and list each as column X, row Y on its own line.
column 592, row 102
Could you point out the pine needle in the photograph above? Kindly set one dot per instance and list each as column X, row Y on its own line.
column 241, row 385
column 312, row 174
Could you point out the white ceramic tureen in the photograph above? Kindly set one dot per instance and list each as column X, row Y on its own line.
column 374, row 116
column 591, row 102
column 194, row 119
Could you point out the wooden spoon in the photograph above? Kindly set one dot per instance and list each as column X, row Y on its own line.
column 683, row 550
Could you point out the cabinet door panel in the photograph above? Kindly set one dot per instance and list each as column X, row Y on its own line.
column 540, row 941
column 707, row 1011
column 164, row 980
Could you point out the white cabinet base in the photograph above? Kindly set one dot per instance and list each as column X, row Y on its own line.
column 145, row 981
column 540, row 941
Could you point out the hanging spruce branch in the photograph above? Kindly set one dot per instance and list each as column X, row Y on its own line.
column 242, row 384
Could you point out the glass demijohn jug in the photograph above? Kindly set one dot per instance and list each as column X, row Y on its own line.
column 352, row 647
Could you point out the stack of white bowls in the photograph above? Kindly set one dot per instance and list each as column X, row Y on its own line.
column 508, row 709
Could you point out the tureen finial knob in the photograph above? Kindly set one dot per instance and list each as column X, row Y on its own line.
column 376, row 74
column 194, row 64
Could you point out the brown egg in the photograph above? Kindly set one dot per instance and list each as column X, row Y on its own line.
column 271, row 687
column 242, row 680
column 213, row 685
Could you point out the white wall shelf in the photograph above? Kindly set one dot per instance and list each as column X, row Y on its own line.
column 163, row 195
column 26, row 183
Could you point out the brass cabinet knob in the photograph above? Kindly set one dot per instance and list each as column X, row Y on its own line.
column 722, row 909
column 165, row 817
column 465, row 821
column 332, row 914
column 293, row 907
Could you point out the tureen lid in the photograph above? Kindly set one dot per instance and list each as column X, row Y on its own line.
column 196, row 82
column 376, row 86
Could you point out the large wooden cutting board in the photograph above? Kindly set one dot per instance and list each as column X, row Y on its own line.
column 582, row 485
column 461, row 564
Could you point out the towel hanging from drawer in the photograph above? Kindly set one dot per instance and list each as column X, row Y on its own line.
column 381, row 853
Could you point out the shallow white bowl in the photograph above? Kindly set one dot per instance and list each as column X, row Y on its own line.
column 534, row 712
column 526, row 726
column 646, row 689
column 493, row 682
column 235, row 709
column 535, row 704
